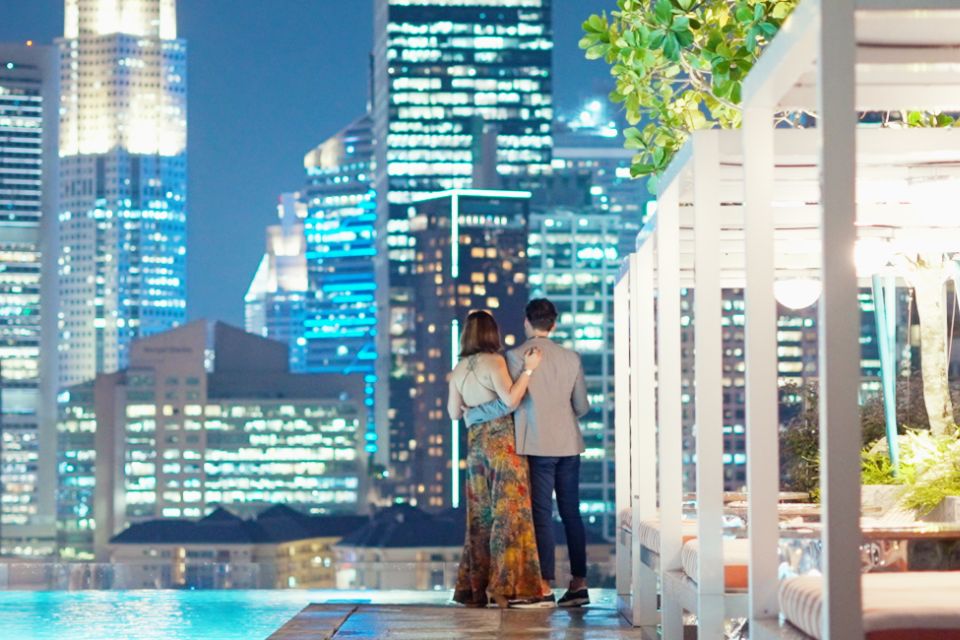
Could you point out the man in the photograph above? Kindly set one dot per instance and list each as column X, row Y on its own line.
column 548, row 433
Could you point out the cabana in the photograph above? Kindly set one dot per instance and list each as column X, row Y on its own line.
column 838, row 58
column 787, row 211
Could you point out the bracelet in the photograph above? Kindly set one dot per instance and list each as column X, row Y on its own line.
column 529, row 372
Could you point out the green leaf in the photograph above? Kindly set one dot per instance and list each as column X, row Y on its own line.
column 657, row 38
column 596, row 23
column 758, row 11
column 736, row 92
column 671, row 47
column 663, row 12
column 597, row 51
column 743, row 14
column 781, row 10
column 769, row 29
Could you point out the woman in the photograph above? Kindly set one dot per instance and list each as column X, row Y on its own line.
column 499, row 559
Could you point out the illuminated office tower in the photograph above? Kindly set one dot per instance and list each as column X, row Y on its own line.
column 574, row 261
column 206, row 415
column 123, row 179
column 28, row 195
column 462, row 99
column 275, row 302
column 340, row 326
column 589, row 144
column 471, row 254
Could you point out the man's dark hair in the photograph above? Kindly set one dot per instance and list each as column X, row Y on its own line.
column 541, row 314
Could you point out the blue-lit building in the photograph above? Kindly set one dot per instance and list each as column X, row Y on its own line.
column 28, row 332
column 123, row 178
column 315, row 289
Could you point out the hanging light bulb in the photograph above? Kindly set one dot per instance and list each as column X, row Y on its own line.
column 797, row 293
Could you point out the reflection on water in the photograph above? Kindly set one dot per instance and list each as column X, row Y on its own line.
column 171, row 615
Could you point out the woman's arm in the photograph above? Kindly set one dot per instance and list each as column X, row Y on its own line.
column 509, row 390
column 454, row 402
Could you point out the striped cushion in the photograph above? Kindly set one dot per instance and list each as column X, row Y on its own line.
column 736, row 560
column 649, row 533
column 896, row 605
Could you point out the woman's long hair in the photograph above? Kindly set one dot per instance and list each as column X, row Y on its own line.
column 480, row 334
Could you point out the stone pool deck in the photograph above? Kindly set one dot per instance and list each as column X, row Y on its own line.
column 438, row 622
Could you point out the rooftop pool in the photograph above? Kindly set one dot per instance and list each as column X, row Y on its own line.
column 172, row 615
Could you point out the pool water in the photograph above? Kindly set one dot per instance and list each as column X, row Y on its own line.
column 171, row 615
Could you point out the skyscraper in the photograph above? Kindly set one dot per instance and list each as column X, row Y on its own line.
column 276, row 299
column 28, row 195
column 315, row 287
column 340, row 330
column 471, row 254
column 574, row 260
column 462, row 98
column 123, row 176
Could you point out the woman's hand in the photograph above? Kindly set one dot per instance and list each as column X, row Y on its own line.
column 532, row 358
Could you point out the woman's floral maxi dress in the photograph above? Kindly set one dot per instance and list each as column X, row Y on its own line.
column 500, row 553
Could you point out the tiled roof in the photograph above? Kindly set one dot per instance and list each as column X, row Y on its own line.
column 276, row 524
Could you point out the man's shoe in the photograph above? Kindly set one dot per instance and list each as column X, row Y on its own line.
column 541, row 602
column 574, row 598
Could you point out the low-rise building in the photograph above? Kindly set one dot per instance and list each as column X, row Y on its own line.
column 280, row 548
column 205, row 415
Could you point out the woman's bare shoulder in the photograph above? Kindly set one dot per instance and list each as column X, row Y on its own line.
column 490, row 361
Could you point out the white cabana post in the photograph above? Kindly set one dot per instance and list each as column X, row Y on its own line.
column 669, row 400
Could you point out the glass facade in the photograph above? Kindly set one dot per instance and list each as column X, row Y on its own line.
column 28, row 104
column 471, row 254
column 590, row 145
column 462, row 98
column 76, row 472
column 574, row 261
column 340, row 329
column 315, row 289
column 205, row 415
column 275, row 303
column 123, row 178
column 243, row 454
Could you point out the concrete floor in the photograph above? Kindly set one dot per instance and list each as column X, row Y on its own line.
column 433, row 622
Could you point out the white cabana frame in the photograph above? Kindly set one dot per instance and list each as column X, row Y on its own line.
column 834, row 57
column 706, row 181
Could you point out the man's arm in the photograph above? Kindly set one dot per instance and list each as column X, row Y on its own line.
column 579, row 399
column 486, row 412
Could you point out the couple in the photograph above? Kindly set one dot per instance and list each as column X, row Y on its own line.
column 517, row 460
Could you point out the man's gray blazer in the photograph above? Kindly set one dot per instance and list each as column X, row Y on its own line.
column 547, row 419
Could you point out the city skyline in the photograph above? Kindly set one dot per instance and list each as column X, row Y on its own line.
column 226, row 246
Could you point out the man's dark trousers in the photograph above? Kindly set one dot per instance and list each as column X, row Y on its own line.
column 560, row 474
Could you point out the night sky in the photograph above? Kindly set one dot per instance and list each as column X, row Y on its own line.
column 268, row 80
